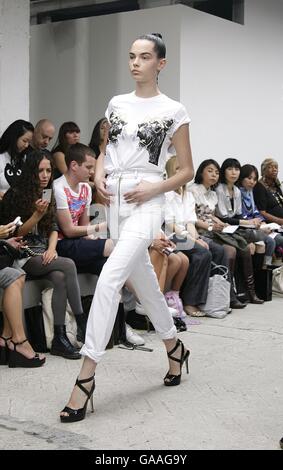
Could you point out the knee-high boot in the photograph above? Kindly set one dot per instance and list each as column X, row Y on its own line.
column 249, row 280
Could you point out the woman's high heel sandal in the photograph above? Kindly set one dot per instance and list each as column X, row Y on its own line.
column 4, row 351
column 16, row 359
column 170, row 379
column 79, row 414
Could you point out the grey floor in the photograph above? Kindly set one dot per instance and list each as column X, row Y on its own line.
column 232, row 398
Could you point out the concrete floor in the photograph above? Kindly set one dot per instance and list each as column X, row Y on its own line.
column 232, row 398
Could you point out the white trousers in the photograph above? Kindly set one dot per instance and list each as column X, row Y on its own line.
column 128, row 261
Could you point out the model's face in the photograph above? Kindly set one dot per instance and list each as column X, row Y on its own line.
column 44, row 173
column 272, row 171
column 24, row 141
column 73, row 137
column 143, row 62
column 86, row 170
column 43, row 136
column 250, row 181
column 232, row 175
column 210, row 176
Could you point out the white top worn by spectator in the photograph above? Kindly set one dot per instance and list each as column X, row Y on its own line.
column 66, row 198
column 180, row 210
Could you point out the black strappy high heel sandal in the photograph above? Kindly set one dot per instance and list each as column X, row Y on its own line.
column 79, row 414
column 16, row 359
column 170, row 379
column 4, row 352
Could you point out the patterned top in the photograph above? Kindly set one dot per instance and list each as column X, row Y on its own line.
column 66, row 198
column 140, row 132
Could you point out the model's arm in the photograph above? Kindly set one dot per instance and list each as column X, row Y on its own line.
column 100, row 180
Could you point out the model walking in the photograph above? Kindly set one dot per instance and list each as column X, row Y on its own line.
column 143, row 125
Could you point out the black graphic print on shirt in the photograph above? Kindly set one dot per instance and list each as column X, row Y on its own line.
column 13, row 173
column 116, row 127
column 152, row 135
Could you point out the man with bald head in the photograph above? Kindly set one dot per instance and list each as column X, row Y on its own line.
column 43, row 133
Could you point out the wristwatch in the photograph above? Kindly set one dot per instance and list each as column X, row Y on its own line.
column 210, row 228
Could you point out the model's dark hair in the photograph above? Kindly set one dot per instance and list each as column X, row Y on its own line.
column 159, row 45
column 95, row 139
column 201, row 168
column 228, row 163
column 77, row 153
column 8, row 140
column 246, row 171
column 61, row 144
column 20, row 199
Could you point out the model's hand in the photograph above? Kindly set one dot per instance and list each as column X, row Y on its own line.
column 48, row 256
column 7, row 230
column 102, row 191
column 143, row 192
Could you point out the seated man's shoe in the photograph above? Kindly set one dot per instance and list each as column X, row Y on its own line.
column 132, row 337
column 61, row 345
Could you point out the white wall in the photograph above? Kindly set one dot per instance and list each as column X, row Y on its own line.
column 78, row 65
column 231, row 81
column 229, row 76
column 14, row 61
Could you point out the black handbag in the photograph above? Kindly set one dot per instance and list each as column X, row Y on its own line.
column 7, row 254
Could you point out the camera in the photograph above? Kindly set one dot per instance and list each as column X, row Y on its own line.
column 17, row 222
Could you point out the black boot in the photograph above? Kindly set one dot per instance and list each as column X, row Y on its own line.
column 249, row 280
column 81, row 321
column 234, row 301
column 61, row 345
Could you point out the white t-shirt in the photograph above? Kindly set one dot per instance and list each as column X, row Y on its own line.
column 66, row 198
column 141, row 130
column 180, row 210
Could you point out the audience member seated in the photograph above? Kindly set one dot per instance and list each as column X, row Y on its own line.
column 179, row 218
column 43, row 134
column 229, row 210
column 176, row 268
column 13, row 145
column 15, row 350
column 69, row 134
column 206, row 178
column 99, row 135
column 269, row 197
column 41, row 233
column 247, row 181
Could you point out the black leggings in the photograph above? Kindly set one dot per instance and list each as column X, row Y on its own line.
column 63, row 275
